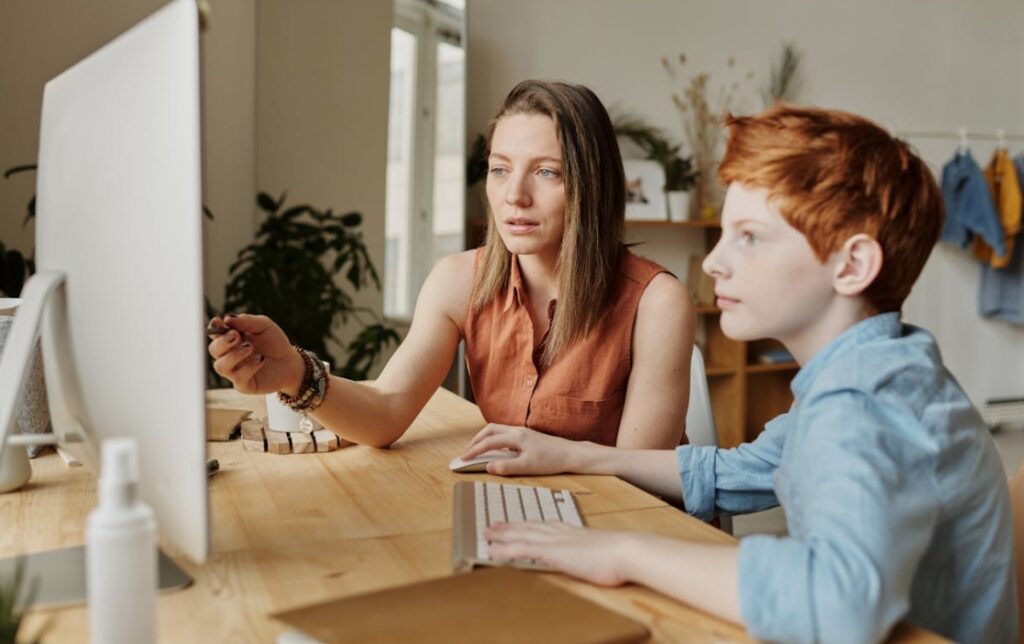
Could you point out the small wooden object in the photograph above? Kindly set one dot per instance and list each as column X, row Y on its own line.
column 221, row 423
column 257, row 438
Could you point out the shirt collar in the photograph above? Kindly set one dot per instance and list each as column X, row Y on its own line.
column 966, row 163
column 515, row 285
column 516, row 290
column 883, row 325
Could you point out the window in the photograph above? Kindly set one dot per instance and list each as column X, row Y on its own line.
column 426, row 143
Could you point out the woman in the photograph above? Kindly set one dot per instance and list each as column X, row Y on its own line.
column 566, row 331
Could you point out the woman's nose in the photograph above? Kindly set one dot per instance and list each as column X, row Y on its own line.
column 518, row 193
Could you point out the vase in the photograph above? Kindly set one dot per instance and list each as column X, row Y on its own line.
column 678, row 205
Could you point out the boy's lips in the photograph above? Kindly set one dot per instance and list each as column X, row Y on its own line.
column 724, row 301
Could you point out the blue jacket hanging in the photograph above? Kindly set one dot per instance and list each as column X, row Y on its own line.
column 969, row 207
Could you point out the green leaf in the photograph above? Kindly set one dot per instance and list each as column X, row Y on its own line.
column 19, row 168
column 266, row 202
column 12, row 273
column 301, row 270
column 280, row 201
column 294, row 212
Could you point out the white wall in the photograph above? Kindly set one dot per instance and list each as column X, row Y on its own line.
column 295, row 97
column 41, row 38
column 229, row 136
column 913, row 65
column 323, row 78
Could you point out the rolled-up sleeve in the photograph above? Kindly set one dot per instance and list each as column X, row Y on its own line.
column 737, row 480
column 867, row 510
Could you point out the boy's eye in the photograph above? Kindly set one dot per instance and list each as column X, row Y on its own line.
column 748, row 238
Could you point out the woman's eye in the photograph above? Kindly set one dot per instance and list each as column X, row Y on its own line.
column 547, row 173
column 498, row 172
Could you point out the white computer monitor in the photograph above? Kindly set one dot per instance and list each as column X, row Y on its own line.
column 119, row 282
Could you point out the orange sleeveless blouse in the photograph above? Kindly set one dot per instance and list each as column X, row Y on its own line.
column 581, row 394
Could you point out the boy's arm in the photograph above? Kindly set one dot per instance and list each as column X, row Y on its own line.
column 862, row 508
column 699, row 574
column 734, row 480
column 737, row 480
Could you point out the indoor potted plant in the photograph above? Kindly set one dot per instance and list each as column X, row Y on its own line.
column 680, row 177
column 301, row 271
column 17, row 593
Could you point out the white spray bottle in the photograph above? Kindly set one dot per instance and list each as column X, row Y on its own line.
column 121, row 553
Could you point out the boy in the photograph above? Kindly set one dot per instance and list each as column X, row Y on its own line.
column 894, row 496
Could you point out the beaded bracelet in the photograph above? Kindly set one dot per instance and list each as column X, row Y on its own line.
column 315, row 382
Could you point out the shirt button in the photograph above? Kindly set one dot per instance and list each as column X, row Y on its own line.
column 529, row 382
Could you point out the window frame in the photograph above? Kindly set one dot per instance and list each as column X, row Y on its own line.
column 431, row 25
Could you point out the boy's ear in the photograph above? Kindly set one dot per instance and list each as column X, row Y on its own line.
column 859, row 261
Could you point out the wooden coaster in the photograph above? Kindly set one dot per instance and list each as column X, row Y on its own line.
column 257, row 438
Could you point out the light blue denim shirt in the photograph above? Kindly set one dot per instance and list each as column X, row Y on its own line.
column 896, row 501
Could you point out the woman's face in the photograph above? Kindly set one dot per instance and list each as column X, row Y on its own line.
column 526, row 184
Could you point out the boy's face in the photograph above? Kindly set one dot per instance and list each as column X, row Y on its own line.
column 768, row 282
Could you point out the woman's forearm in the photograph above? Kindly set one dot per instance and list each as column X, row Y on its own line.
column 359, row 412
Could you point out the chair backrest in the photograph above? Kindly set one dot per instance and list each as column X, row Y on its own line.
column 700, row 423
column 1017, row 504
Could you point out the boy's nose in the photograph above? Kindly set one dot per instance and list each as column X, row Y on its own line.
column 713, row 264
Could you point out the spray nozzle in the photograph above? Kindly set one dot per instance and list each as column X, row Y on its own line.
column 120, row 472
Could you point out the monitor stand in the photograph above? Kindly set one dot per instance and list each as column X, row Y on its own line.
column 59, row 575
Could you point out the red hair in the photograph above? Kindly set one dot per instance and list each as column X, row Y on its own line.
column 833, row 175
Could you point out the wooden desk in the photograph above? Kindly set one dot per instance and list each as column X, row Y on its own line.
column 300, row 528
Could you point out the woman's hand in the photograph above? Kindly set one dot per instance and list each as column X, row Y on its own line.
column 538, row 453
column 596, row 556
column 255, row 355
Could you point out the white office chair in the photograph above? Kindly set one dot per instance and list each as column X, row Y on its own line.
column 700, row 421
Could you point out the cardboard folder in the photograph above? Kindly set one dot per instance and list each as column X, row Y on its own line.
column 494, row 605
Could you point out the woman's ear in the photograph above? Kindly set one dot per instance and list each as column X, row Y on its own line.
column 859, row 262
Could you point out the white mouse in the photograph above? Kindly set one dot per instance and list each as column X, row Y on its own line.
column 479, row 463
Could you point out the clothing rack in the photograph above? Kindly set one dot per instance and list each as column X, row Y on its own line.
column 961, row 135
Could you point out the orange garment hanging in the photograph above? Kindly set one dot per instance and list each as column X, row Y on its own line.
column 1001, row 177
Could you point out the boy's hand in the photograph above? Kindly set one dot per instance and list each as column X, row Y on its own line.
column 538, row 453
column 595, row 556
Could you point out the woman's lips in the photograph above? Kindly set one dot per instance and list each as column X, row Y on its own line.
column 521, row 226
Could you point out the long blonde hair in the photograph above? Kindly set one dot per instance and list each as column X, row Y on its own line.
column 595, row 196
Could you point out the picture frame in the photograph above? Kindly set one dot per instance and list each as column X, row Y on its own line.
column 645, row 190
